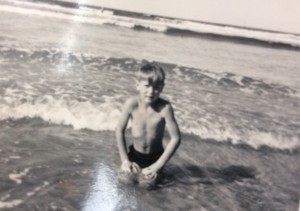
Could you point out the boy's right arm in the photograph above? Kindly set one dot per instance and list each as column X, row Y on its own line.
column 126, row 165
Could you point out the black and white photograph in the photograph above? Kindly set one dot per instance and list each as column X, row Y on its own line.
column 147, row 105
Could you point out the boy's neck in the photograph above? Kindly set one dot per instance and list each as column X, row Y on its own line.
column 145, row 105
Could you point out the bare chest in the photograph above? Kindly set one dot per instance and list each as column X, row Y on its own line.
column 146, row 123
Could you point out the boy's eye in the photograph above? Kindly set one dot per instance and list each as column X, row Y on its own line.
column 158, row 86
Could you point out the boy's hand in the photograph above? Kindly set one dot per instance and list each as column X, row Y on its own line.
column 128, row 166
column 150, row 172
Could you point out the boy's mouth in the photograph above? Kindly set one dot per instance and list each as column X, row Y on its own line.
column 149, row 98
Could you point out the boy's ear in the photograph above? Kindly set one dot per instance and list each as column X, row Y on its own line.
column 161, row 87
column 137, row 85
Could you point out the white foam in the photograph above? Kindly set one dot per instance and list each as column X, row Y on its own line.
column 37, row 189
column 78, row 159
column 253, row 138
column 54, row 207
column 238, row 79
column 16, row 177
column 95, row 116
column 216, row 76
column 10, row 204
column 14, row 157
column 5, row 197
column 177, row 71
column 247, row 90
column 239, row 32
column 277, row 141
column 100, row 116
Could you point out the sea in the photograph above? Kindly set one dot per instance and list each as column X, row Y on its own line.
column 70, row 67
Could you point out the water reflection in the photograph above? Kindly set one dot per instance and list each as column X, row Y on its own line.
column 104, row 194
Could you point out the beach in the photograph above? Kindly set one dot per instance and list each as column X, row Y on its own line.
column 66, row 72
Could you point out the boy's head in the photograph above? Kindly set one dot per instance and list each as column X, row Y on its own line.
column 152, row 72
column 150, row 82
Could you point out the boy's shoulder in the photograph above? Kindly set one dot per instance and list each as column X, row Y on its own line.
column 132, row 102
column 161, row 105
column 162, row 102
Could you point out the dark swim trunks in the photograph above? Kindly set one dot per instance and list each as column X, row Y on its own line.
column 143, row 160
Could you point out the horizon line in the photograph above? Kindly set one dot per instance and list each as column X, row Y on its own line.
column 77, row 5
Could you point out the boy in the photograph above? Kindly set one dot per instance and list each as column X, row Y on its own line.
column 149, row 115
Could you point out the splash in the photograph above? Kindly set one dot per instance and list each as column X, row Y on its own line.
column 80, row 115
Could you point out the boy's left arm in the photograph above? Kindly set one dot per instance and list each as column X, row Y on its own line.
column 171, row 146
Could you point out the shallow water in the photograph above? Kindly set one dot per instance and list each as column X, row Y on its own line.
column 51, row 167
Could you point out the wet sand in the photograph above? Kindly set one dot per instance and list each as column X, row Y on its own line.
column 53, row 167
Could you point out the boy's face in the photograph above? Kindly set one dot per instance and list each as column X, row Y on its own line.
column 149, row 90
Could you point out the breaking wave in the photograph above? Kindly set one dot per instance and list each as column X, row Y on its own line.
column 31, row 87
column 204, row 77
column 142, row 22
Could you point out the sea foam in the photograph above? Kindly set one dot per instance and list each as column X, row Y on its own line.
column 10, row 204
column 85, row 96
column 95, row 116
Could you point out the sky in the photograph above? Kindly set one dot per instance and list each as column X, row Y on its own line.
column 276, row 15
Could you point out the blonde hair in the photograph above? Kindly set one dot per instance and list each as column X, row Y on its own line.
column 152, row 71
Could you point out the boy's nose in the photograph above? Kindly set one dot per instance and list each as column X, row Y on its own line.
column 150, row 89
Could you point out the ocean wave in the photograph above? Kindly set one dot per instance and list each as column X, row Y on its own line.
column 254, row 138
column 238, row 82
column 105, row 116
column 97, row 15
column 78, row 114
column 82, row 15
column 226, row 80
column 90, row 99
column 237, row 37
